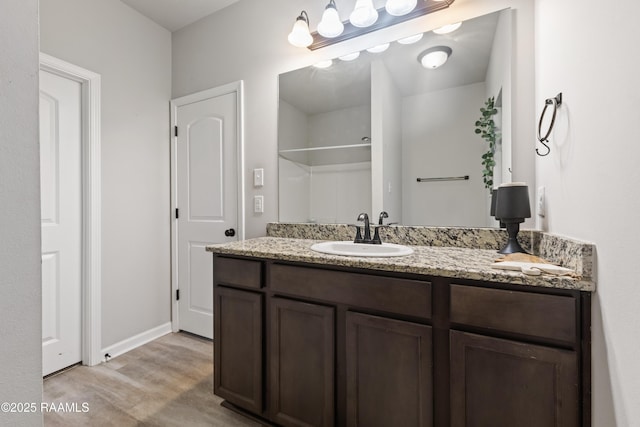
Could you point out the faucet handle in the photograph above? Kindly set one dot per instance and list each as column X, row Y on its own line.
column 382, row 216
column 376, row 235
column 358, row 238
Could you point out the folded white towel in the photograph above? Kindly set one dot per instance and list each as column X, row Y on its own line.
column 533, row 268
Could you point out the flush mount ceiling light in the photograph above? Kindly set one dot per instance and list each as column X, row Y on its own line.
column 434, row 57
column 364, row 18
column 330, row 26
column 379, row 48
column 350, row 56
column 446, row 29
column 300, row 35
column 400, row 7
column 364, row 14
column 411, row 39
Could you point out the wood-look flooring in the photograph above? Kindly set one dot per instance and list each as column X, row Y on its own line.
column 167, row 382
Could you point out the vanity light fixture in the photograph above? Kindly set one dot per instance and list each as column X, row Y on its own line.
column 350, row 56
column 434, row 57
column 300, row 35
column 323, row 64
column 330, row 26
column 364, row 19
column 411, row 39
column 379, row 48
column 446, row 29
column 364, row 14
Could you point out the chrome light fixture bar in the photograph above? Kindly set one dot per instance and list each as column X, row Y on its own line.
column 363, row 20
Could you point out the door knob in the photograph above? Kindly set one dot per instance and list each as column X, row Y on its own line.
column 230, row 232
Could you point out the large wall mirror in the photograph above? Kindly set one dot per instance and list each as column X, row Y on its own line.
column 356, row 135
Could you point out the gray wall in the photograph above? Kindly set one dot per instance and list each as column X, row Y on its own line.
column 20, row 296
column 133, row 56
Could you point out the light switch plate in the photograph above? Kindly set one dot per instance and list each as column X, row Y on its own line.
column 258, row 204
column 258, row 177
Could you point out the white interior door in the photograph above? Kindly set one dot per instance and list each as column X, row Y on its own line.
column 61, row 213
column 207, row 201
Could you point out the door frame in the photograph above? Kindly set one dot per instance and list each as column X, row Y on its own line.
column 236, row 87
column 91, row 262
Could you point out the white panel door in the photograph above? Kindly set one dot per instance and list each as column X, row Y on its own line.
column 207, row 188
column 61, row 214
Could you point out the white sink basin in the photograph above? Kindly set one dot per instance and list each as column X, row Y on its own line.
column 362, row 249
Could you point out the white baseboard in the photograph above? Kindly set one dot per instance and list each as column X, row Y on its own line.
column 142, row 338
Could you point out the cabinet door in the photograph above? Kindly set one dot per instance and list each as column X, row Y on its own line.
column 389, row 372
column 502, row 383
column 302, row 363
column 238, row 348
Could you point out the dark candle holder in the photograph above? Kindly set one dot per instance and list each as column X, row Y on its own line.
column 511, row 208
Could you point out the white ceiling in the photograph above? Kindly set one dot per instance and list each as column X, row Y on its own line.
column 175, row 14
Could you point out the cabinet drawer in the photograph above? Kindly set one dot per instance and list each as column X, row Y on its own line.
column 402, row 296
column 545, row 316
column 239, row 272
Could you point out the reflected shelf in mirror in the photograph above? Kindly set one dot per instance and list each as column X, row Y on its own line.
column 320, row 156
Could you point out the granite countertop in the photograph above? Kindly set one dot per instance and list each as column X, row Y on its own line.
column 449, row 262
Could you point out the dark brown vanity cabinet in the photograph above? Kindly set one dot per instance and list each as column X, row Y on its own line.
column 302, row 360
column 521, row 365
column 238, row 351
column 389, row 372
column 327, row 347
column 504, row 383
column 317, row 345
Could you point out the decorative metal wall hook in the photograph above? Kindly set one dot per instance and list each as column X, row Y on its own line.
column 555, row 101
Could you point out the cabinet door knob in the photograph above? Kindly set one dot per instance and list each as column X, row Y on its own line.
column 230, row 232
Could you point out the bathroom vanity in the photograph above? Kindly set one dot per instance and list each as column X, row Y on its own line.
column 436, row 338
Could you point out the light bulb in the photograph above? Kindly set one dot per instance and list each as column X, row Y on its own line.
column 330, row 25
column 300, row 35
column 364, row 14
column 379, row 48
column 411, row 39
column 323, row 64
column 400, row 7
column 446, row 29
column 350, row 56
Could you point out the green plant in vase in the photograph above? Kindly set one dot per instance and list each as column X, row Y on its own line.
column 486, row 128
